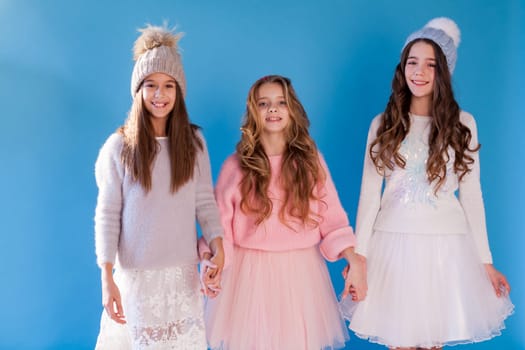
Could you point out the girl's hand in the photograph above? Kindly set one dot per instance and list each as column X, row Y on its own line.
column 210, row 278
column 498, row 280
column 217, row 250
column 111, row 300
column 355, row 277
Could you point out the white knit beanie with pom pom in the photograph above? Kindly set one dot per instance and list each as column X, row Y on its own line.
column 444, row 32
column 156, row 51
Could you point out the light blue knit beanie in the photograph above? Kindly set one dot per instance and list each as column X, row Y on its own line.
column 444, row 32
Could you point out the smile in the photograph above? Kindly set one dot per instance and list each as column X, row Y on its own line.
column 273, row 119
column 159, row 105
column 419, row 82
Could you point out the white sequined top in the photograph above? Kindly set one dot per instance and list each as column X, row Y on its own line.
column 408, row 203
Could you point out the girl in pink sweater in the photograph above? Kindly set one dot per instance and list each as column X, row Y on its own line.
column 281, row 215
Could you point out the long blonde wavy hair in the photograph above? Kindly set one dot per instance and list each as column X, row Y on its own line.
column 301, row 172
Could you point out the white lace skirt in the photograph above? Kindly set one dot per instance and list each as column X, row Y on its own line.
column 163, row 309
column 426, row 291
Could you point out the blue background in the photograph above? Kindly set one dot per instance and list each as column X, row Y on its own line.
column 65, row 68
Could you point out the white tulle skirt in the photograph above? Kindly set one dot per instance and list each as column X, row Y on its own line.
column 426, row 291
column 163, row 308
column 275, row 301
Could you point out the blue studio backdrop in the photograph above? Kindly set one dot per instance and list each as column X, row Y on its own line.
column 65, row 68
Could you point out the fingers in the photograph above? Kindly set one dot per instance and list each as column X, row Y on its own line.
column 210, row 279
column 349, row 288
column 120, row 318
column 345, row 271
column 355, row 282
column 496, row 286
column 207, row 265
column 211, row 292
column 115, row 311
column 352, row 293
column 214, row 284
column 503, row 286
column 207, row 271
column 499, row 283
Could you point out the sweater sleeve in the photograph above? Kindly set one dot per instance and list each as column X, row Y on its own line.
column 471, row 198
column 109, row 174
column 336, row 232
column 206, row 209
column 370, row 197
column 226, row 188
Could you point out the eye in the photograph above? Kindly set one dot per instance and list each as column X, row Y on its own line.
column 170, row 86
column 262, row 104
column 282, row 103
column 411, row 63
column 432, row 65
column 149, row 85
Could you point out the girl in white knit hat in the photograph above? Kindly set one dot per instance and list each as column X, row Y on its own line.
column 431, row 281
column 154, row 179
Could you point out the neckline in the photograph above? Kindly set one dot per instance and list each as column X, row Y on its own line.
column 419, row 117
column 275, row 158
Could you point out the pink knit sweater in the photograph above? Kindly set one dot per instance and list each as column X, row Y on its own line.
column 333, row 234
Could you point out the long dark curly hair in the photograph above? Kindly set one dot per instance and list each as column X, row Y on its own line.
column 446, row 130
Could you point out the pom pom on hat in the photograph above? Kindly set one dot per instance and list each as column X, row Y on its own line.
column 156, row 51
column 448, row 26
column 153, row 37
column 444, row 32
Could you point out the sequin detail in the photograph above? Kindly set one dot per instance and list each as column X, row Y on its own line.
column 409, row 187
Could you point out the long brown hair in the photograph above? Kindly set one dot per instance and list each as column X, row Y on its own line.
column 446, row 128
column 301, row 172
column 141, row 147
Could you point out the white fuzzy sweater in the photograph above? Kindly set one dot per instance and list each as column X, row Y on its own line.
column 156, row 229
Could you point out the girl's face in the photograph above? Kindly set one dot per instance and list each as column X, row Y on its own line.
column 272, row 108
column 159, row 93
column 420, row 69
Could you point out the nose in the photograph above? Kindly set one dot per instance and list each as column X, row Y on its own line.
column 158, row 92
column 419, row 70
column 273, row 108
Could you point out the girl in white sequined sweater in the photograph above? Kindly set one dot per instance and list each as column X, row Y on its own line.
column 430, row 276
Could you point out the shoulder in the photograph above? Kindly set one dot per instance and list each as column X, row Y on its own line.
column 374, row 125
column 230, row 173
column 376, row 121
column 198, row 132
column 112, row 145
column 199, row 135
column 109, row 156
column 114, row 140
column 231, row 164
column 468, row 120
column 322, row 159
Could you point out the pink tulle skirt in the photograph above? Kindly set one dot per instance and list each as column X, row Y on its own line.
column 426, row 291
column 275, row 300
